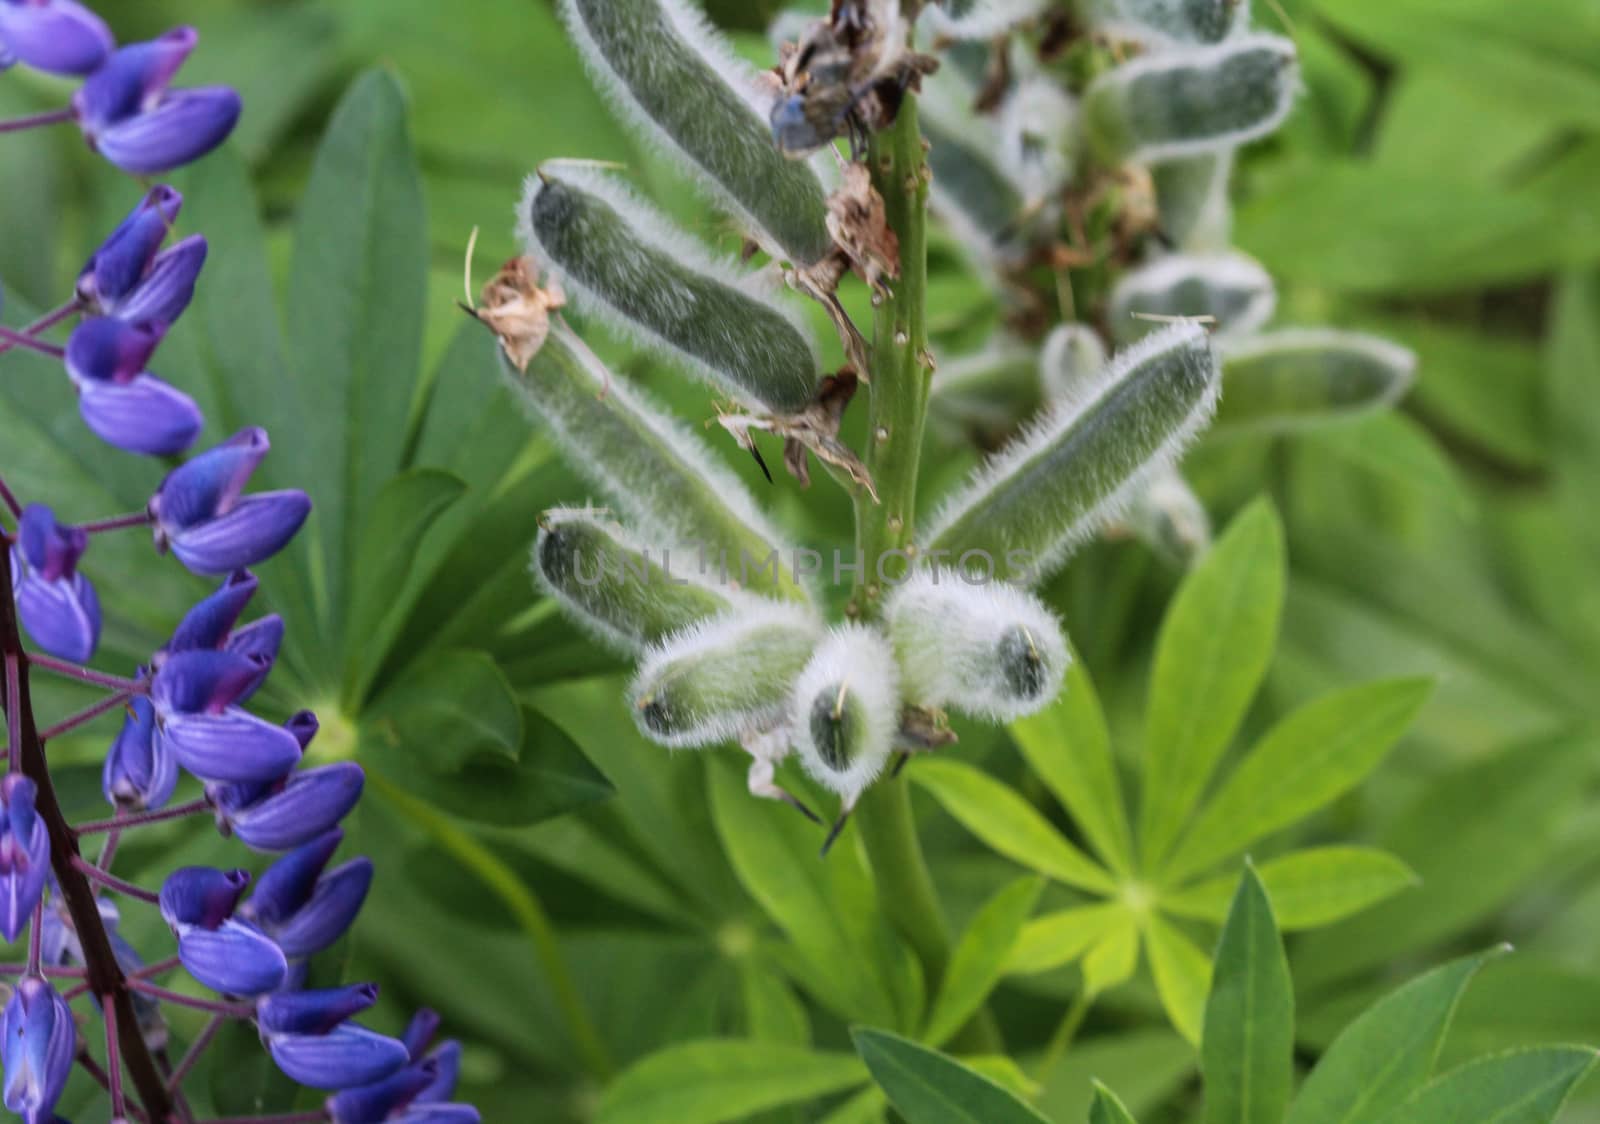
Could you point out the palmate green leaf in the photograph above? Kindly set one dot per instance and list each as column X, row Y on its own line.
column 717, row 1080
column 1059, row 938
column 1213, row 648
column 400, row 516
column 1069, row 747
column 1182, row 973
column 1007, row 823
column 1518, row 1087
column 448, row 709
column 356, row 292
column 980, row 958
column 1387, row 1053
column 1304, row 762
column 1247, row 1049
column 1114, row 957
column 932, row 1088
column 1307, row 888
column 1107, row 1109
column 845, row 954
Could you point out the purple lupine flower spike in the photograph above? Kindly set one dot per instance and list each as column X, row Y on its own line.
column 419, row 1112
column 207, row 625
column 308, row 804
column 58, row 605
column 420, row 1030
column 140, row 771
column 199, row 895
column 130, row 116
column 168, row 288
column 329, row 914
column 202, row 517
column 313, row 1012
column 371, row 1104
column 24, row 854
column 122, row 403
column 195, row 695
column 287, row 885
column 56, row 36
column 39, row 1040
column 447, row 1071
column 347, row 1055
column 129, row 252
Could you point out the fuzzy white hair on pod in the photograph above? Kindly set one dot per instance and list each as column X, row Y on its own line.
column 734, row 639
column 852, row 673
column 982, row 19
column 649, row 499
column 992, row 651
column 1038, row 123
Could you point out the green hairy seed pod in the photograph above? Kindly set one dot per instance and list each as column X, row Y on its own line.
column 661, row 479
column 627, row 594
column 1235, row 291
column 667, row 71
column 991, row 651
column 1192, row 199
column 979, row 19
column 625, row 262
column 724, row 679
column 1302, row 376
column 1191, row 102
column 1169, row 518
column 1168, row 21
column 1072, row 355
column 1080, row 465
column 971, row 191
column 846, row 711
column 1038, row 134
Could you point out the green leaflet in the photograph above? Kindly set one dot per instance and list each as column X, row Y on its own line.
column 1308, row 888
column 1200, row 101
column 630, row 595
column 723, row 679
column 713, row 1080
column 1246, row 1052
column 1053, row 487
column 1107, row 1109
column 931, row 1088
column 663, row 68
column 625, row 262
column 1299, row 377
column 661, row 479
column 1517, row 1087
column 980, row 958
column 1388, row 1052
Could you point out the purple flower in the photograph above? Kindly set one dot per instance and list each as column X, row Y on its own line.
column 24, row 854
column 307, row 804
column 57, row 604
column 210, row 626
column 39, row 1040
column 130, row 116
column 140, row 771
column 198, row 722
column 219, row 950
column 201, row 516
column 380, row 1101
column 57, row 36
column 122, row 403
column 345, row 1056
column 129, row 252
column 313, row 1012
column 303, row 907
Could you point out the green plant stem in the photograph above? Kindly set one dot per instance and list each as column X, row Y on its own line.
column 1065, row 1032
column 899, row 382
column 524, row 906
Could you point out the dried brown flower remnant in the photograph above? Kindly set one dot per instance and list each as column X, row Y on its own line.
column 814, row 429
column 859, row 224
column 517, row 310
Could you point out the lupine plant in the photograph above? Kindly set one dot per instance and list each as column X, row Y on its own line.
column 240, row 949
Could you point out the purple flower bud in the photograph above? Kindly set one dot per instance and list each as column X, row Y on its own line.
column 304, row 726
column 447, row 1071
column 346, row 1056
column 39, row 1041
column 313, row 1012
column 207, row 625
column 57, row 604
column 430, row 1113
column 201, row 896
column 56, row 36
column 236, row 958
column 201, row 515
column 124, row 258
column 130, row 116
column 140, row 772
column 24, row 854
column 109, row 349
column 420, row 1031
column 168, row 288
column 308, row 804
column 331, row 910
column 287, row 885
column 375, row 1103
column 202, row 681
column 259, row 641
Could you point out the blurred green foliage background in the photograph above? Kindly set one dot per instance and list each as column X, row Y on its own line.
column 1436, row 184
